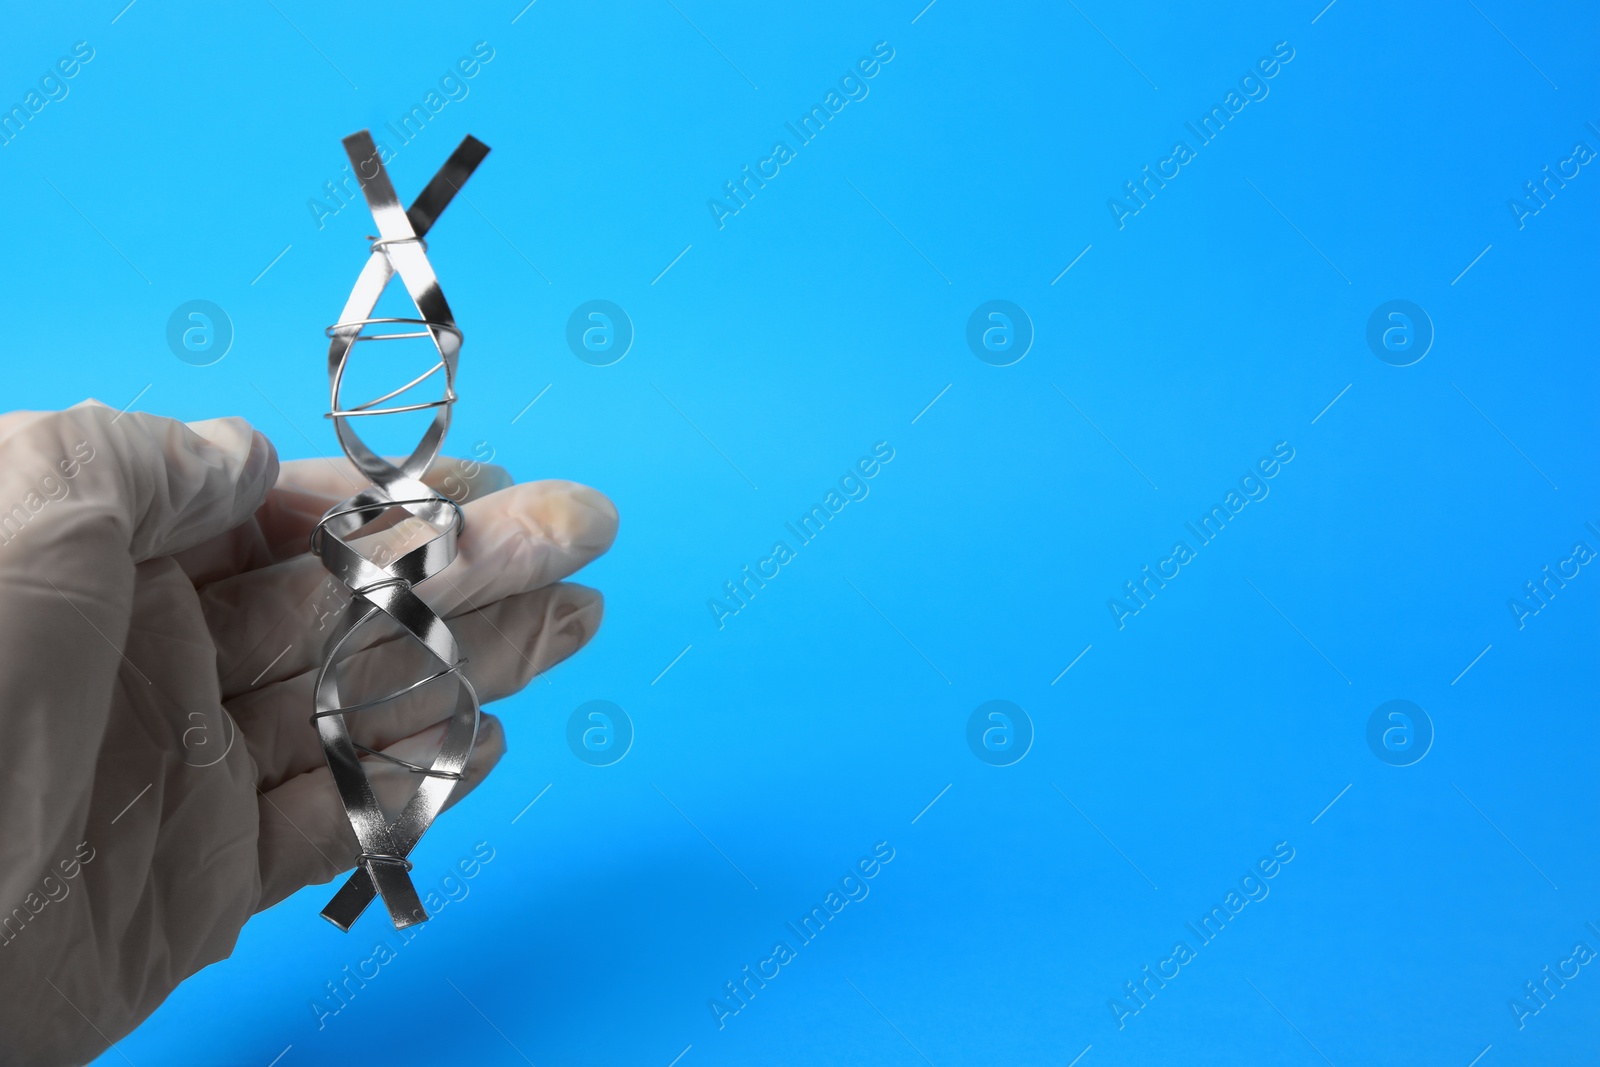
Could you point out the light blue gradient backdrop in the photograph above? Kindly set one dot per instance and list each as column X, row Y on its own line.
column 823, row 318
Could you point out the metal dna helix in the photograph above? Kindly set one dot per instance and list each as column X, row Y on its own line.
column 382, row 588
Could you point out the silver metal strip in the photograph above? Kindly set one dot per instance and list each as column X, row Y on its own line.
column 387, row 590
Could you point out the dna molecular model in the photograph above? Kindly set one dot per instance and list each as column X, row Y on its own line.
column 380, row 588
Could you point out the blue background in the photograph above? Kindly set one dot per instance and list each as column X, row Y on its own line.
column 824, row 317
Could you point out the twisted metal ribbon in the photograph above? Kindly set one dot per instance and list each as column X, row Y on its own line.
column 382, row 590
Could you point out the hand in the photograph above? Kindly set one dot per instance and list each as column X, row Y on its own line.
column 161, row 623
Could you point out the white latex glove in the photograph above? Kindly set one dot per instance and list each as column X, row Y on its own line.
column 160, row 627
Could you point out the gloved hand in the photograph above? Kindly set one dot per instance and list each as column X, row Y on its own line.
column 161, row 623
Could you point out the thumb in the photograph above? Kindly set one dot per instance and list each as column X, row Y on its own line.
column 151, row 486
column 249, row 464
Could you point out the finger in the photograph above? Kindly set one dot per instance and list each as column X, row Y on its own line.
column 505, row 645
column 335, row 478
column 139, row 485
column 273, row 623
column 305, row 837
column 311, row 487
column 306, row 489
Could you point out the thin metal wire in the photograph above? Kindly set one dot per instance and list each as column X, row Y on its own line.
column 390, row 320
column 336, row 513
column 370, row 408
column 386, row 590
column 367, row 705
column 413, row 767
column 384, row 242
column 442, row 402
column 412, row 384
